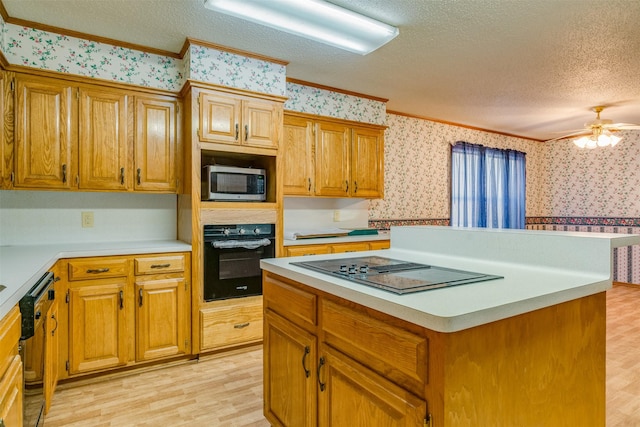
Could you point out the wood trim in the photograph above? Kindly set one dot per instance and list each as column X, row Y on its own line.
column 414, row 116
column 3, row 12
column 333, row 89
column 190, row 84
column 88, row 80
column 190, row 41
column 86, row 36
column 4, row 64
column 333, row 120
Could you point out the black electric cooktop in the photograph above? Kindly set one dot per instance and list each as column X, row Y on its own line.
column 400, row 277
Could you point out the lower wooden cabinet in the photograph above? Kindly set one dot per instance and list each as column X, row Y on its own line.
column 318, row 249
column 11, row 379
column 125, row 310
column 231, row 322
column 11, row 390
column 51, row 353
column 161, row 314
column 314, row 378
column 352, row 394
column 290, row 395
column 98, row 325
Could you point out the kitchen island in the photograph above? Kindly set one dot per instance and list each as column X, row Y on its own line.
column 527, row 349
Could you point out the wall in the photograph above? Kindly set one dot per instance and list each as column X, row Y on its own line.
column 594, row 191
column 417, row 168
column 43, row 217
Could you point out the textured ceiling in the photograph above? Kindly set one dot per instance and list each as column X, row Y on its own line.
column 530, row 68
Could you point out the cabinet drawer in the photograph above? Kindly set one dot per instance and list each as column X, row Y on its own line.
column 10, row 331
column 231, row 322
column 379, row 244
column 159, row 264
column 97, row 268
column 399, row 354
column 11, row 392
column 289, row 301
column 350, row 247
column 307, row 250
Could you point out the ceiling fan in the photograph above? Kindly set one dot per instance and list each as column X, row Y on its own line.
column 599, row 132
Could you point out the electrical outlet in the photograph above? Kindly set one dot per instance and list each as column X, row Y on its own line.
column 336, row 216
column 87, row 219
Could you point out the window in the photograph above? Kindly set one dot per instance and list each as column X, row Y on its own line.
column 487, row 187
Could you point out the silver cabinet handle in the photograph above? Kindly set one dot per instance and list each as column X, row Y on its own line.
column 241, row 325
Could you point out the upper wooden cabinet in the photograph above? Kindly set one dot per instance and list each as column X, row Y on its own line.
column 156, row 144
column 104, row 140
column 298, row 149
column 46, row 133
column 367, row 162
column 94, row 138
column 234, row 119
column 332, row 158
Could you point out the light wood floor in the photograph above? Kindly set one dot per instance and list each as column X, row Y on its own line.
column 227, row 390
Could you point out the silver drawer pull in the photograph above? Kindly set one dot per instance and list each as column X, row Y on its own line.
column 160, row 265
column 98, row 270
column 241, row 325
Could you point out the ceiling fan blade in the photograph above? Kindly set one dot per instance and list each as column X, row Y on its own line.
column 580, row 132
column 571, row 131
column 623, row 126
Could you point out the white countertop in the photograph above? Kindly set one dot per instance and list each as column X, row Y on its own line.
column 540, row 269
column 382, row 235
column 21, row 266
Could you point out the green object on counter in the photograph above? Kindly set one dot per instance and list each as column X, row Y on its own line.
column 363, row 232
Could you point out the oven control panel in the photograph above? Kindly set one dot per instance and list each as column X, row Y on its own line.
column 239, row 230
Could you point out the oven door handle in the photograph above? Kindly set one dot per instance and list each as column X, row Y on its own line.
column 244, row 244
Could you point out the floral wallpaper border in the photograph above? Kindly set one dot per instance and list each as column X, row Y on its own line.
column 46, row 50
column 589, row 221
column 51, row 51
column 386, row 224
column 229, row 69
column 312, row 100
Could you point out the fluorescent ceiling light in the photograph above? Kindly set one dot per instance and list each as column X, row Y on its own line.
column 312, row 19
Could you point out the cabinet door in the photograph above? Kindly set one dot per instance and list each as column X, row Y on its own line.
column 156, row 145
column 97, row 326
column 351, row 394
column 367, row 163
column 259, row 123
column 11, row 390
column 332, row 160
column 46, row 135
column 290, row 388
column 161, row 318
column 298, row 156
column 6, row 142
column 51, row 354
column 219, row 118
column 104, row 140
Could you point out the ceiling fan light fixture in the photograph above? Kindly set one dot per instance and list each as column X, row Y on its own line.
column 312, row 19
column 599, row 138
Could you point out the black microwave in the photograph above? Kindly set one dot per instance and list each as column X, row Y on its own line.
column 231, row 183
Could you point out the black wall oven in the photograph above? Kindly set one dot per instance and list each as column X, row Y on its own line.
column 232, row 255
